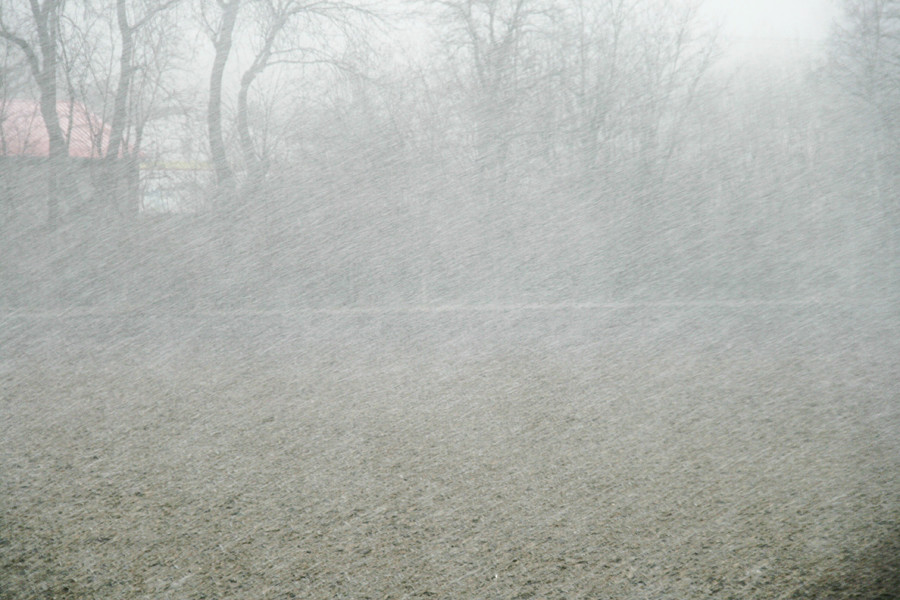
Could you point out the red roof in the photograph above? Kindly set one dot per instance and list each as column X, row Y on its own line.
column 22, row 130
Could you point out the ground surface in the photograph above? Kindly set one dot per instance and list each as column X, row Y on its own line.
column 625, row 454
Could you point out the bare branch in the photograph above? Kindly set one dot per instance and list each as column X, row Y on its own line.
column 23, row 45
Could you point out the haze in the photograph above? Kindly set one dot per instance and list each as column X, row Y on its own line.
column 790, row 19
column 449, row 299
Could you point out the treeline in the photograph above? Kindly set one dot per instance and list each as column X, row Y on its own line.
column 533, row 152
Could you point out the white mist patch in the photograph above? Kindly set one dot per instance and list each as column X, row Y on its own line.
column 779, row 19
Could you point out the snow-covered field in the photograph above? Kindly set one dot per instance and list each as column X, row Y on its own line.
column 596, row 452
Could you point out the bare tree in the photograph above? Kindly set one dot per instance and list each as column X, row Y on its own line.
column 865, row 60
column 633, row 73
column 127, row 67
column 277, row 23
column 111, row 54
column 222, row 34
column 117, row 154
column 41, row 49
column 280, row 32
column 602, row 66
column 491, row 37
column 677, row 54
column 865, row 55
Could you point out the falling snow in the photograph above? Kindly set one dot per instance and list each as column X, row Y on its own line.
column 471, row 299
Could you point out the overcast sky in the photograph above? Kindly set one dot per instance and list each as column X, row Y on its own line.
column 791, row 19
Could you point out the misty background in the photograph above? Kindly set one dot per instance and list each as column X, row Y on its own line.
column 449, row 298
column 278, row 155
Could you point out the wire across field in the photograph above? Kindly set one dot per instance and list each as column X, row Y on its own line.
column 690, row 466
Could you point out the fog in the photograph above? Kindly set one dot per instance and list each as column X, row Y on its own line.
column 498, row 168
column 461, row 299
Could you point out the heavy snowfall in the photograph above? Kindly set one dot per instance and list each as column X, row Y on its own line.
column 449, row 299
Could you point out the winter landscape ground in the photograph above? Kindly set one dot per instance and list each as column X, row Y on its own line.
column 742, row 451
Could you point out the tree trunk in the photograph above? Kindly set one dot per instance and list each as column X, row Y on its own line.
column 251, row 161
column 113, row 185
column 45, row 18
column 225, row 186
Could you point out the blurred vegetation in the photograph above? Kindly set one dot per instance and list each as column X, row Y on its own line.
column 575, row 153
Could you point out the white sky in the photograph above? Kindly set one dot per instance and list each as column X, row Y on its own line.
column 781, row 19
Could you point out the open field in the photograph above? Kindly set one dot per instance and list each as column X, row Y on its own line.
column 644, row 452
